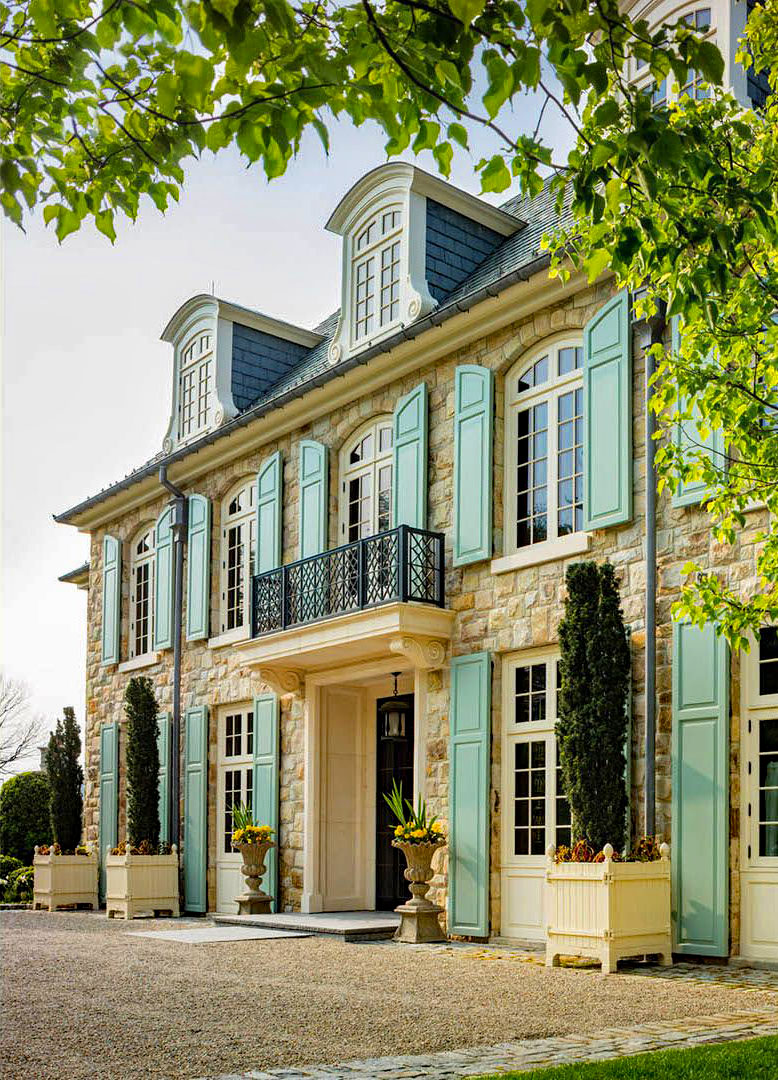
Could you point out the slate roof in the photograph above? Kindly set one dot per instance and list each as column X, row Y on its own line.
column 518, row 256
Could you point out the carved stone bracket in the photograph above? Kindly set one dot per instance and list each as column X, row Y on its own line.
column 425, row 653
column 283, row 680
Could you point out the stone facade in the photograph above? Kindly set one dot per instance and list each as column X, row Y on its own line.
column 502, row 613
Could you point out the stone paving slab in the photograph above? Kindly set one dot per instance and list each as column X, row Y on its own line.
column 536, row 1053
column 207, row 935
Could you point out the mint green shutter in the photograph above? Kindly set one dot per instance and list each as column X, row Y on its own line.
column 688, row 436
column 270, row 479
column 112, row 599
column 109, row 794
column 468, row 861
column 163, row 746
column 608, row 416
column 266, row 769
column 314, row 497
column 163, row 581
column 473, row 424
column 195, row 852
column 198, row 577
column 700, row 779
column 410, row 459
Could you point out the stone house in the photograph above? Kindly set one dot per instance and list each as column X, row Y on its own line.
column 383, row 508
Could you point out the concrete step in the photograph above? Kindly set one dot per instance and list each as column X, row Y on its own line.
column 342, row 925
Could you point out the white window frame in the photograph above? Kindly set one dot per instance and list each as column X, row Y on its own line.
column 144, row 559
column 244, row 761
column 670, row 14
column 533, row 731
column 372, row 253
column 246, row 519
column 754, row 708
column 197, row 367
column 372, row 468
column 555, row 545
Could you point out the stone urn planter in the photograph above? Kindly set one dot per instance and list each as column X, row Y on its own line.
column 254, row 901
column 64, row 880
column 419, row 918
column 141, row 886
column 608, row 910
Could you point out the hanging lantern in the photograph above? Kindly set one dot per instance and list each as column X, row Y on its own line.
column 393, row 713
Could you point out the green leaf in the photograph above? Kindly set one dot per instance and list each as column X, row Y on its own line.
column 104, row 223
column 443, row 154
column 467, row 10
column 496, row 175
column 596, row 262
column 225, row 8
column 500, row 85
column 458, row 133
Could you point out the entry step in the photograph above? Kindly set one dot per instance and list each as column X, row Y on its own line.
column 344, row 925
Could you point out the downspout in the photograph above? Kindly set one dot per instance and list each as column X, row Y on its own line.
column 180, row 523
column 657, row 324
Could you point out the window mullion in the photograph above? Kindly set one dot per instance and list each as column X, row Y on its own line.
column 553, row 467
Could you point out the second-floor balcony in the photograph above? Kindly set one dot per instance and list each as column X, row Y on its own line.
column 399, row 566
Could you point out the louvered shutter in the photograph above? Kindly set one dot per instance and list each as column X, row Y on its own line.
column 266, row 771
column 112, row 599
column 410, row 459
column 163, row 580
column 314, row 496
column 198, row 575
column 473, row 426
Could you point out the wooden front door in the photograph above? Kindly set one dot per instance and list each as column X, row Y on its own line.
column 394, row 762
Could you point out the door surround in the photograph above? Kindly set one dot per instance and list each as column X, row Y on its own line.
column 355, row 675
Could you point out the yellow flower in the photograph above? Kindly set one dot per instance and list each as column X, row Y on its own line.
column 398, row 830
column 436, row 827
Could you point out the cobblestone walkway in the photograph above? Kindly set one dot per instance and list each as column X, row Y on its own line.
column 537, row 1053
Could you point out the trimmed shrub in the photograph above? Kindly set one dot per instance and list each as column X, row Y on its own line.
column 594, row 673
column 7, row 864
column 24, row 815
column 65, row 779
column 19, row 889
column 141, row 708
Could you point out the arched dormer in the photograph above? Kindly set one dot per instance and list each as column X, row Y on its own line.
column 408, row 240
column 225, row 358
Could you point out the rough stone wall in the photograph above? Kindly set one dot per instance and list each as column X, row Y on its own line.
column 502, row 613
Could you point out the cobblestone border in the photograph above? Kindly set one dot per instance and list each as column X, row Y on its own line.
column 611, row 1043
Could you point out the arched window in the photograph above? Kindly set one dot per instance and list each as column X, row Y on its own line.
column 195, row 385
column 544, row 445
column 142, row 593
column 375, row 272
column 366, row 481
column 237, row 555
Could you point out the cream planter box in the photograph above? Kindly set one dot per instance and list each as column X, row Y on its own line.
column 64, row 880
column 608, row 910
column 141, row 885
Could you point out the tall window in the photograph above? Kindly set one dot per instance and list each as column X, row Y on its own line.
column 375, row 270
column 195, row 385
column 142, row 593
column 538, row 810
column 544, row 396
column 238, row 548
column 238, row 775
column 366, row 482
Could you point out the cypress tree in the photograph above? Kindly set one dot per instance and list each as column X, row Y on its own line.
column 592, row 705
column 65, row 780
column 140, row 706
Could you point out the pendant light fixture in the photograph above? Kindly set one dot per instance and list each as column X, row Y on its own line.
column 393, row 713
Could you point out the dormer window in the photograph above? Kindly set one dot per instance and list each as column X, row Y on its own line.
column 409, row 240
column 376, row 269
column 196, row 386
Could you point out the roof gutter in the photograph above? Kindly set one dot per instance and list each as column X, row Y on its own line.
column 407, row 333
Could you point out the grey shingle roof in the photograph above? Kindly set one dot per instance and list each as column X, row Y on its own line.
column 518, row 254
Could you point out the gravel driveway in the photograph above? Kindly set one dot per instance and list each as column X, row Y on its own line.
column 82, row 999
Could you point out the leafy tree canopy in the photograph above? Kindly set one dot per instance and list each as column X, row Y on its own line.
column 101, row 104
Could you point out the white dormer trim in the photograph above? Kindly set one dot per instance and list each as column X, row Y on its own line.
column 403, row 188
column 210, row 315
column 199, row 316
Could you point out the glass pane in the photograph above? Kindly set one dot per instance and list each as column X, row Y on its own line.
column 538, row 842
column 538, row 708
column 768, row 678
column 768, row 771
column 522, row 680
column 768, row 841
column 521, row 842
column 538, row 677
column 522, row 755
column 541, row 371
column 522, row 710
column 768, row 736
column 522, row 812
column 768, row 643
column 539, row 756
column 522, row 784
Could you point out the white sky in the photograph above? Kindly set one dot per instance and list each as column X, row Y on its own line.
column 86, row 380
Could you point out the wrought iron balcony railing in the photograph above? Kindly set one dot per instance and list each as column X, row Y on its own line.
column 399, row 565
